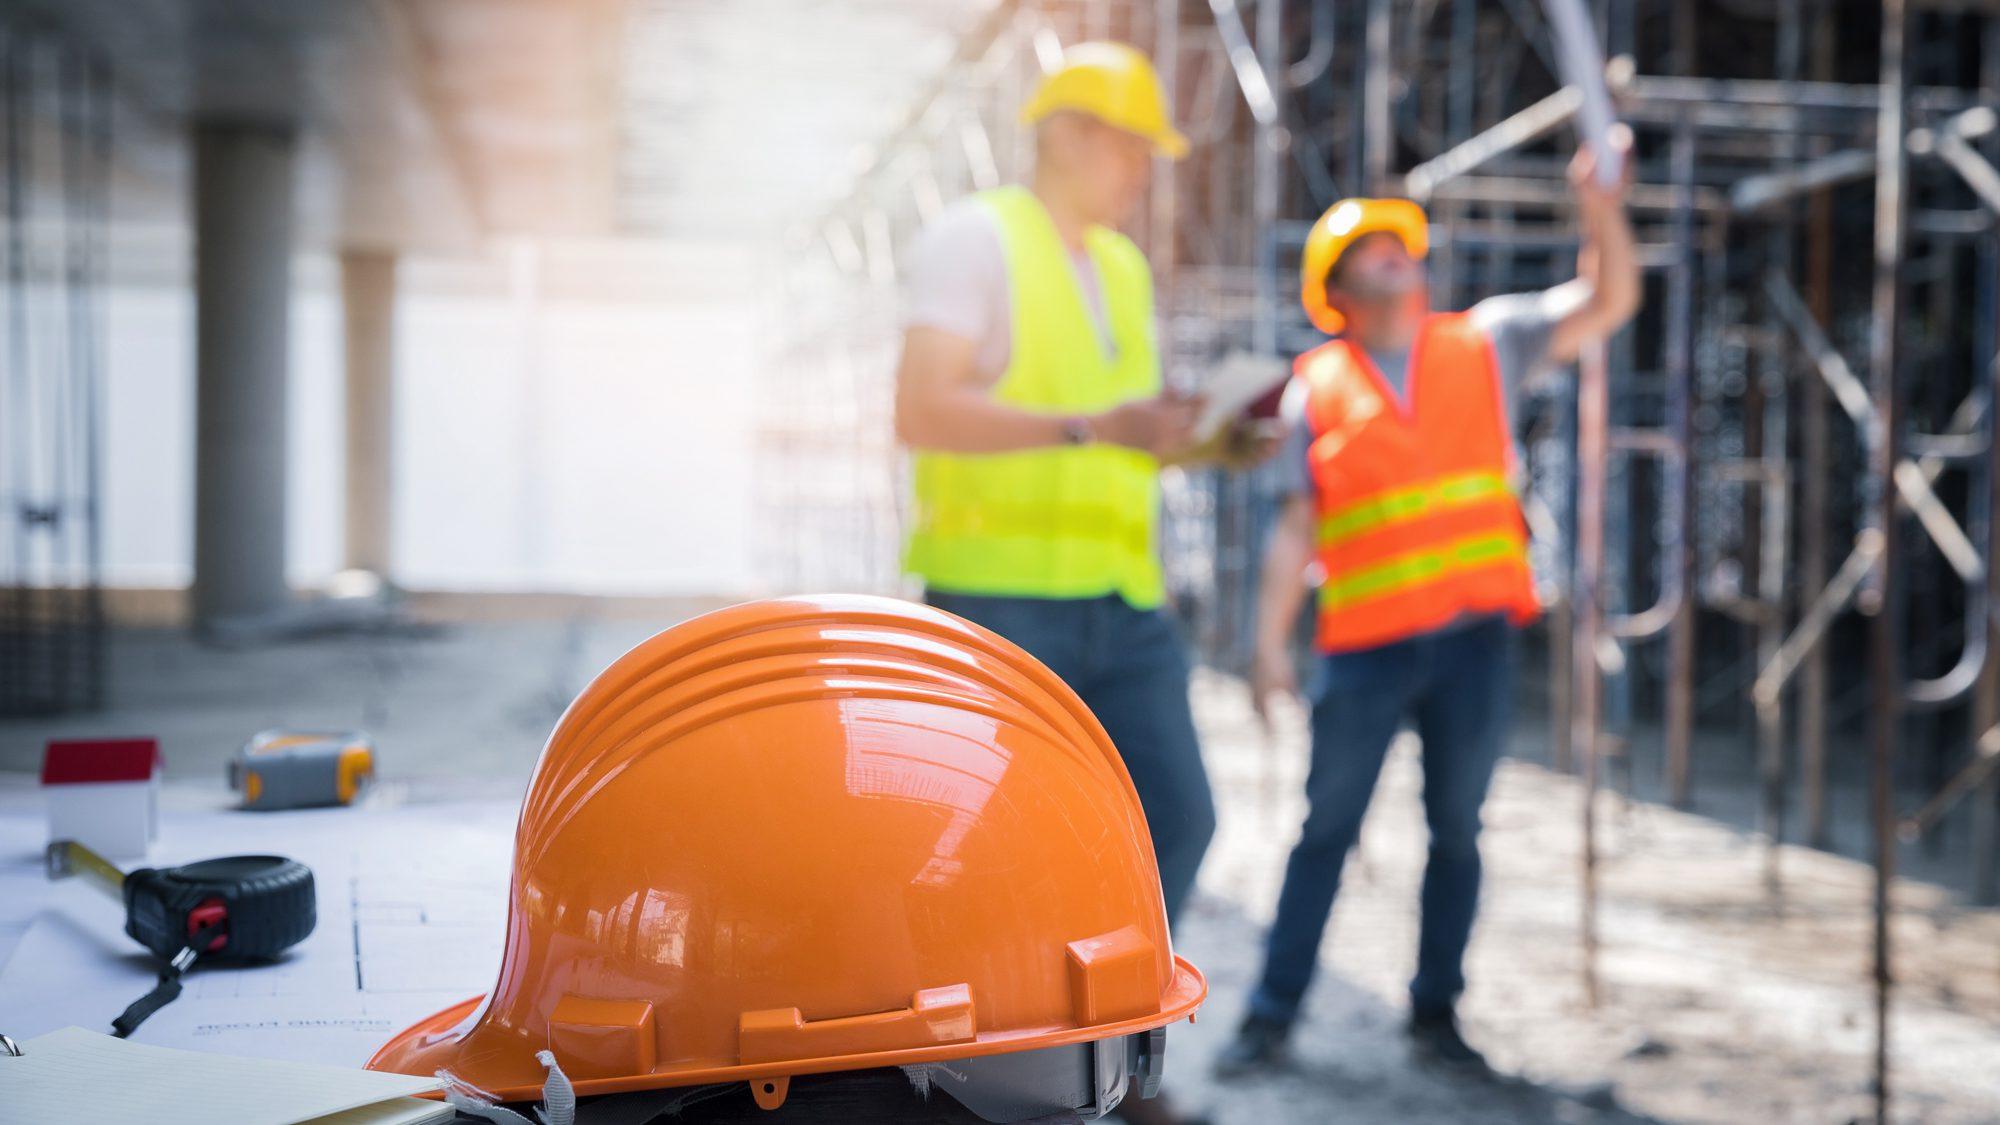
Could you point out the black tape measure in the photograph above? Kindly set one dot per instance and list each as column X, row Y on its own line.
column 241, row 908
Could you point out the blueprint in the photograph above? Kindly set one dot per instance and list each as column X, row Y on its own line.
column 412, row 905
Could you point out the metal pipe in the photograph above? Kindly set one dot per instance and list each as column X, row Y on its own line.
column 1670, row 444
column 1459, row 105
column 1215, row 124
column 1975, row 774
column 1886, row 694
column 1265, row 171
column 1592, row 417
column 1853, row 99
column 1768, row 189
column 1985, row 829
column 1834, row 597
column 1166, row 60
column 1523, row 128
column 1548, row 193
column 1774, row 495
column 1679, row 719
column 1814, row 443
column 1379, row 138
column 1907, row 481
column 1251, row 76
column 1973, row 168
column 1319, row 50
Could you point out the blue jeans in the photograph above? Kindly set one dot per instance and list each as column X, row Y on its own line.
column 1456, row 686
column 1128, row 667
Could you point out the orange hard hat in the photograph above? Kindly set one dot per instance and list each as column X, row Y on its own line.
column 812, row 835
column 1339, row 228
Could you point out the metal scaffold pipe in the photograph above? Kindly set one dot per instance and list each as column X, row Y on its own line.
column 1885, row 665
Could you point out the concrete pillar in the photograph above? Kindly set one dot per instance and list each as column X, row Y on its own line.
column 368, row 302
column 243, row 252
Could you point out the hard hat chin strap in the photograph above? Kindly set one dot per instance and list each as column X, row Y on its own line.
column 558, row 1098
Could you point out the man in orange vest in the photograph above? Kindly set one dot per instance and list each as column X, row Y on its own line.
column 1402, row 457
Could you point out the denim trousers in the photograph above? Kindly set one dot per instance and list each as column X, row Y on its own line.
column 1455, row 686
column 1129, row 668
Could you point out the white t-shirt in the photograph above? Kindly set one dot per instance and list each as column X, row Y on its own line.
column 956, row 281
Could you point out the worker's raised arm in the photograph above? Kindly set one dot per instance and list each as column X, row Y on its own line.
column 1607, row 289
column 943, row 406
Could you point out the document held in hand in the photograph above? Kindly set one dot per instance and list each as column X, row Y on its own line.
column 1245, row 384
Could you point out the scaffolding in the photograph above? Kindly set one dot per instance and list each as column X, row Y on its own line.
column 1766, row 507
column 55, row 126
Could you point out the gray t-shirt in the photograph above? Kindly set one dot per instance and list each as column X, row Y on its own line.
column 955, row 279
column 1519, row 324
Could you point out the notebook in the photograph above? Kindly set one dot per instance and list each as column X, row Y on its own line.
column 1244, row 383
column 81, row 1077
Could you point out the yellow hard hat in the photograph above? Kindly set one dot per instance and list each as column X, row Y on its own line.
column 1343, row 224
column 1114, row 83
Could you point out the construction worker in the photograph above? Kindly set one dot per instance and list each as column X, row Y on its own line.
column 1029, row 389
column 1401, row 461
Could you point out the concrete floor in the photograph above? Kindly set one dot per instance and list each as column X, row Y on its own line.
column 1719, row 1000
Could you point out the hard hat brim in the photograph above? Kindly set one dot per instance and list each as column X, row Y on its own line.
column 1399, row 217
column 1166, row 141
column 413, row 1050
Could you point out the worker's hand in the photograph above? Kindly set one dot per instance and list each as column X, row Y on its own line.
column 1272, row 672
column 1591, row 196
column 1162, row 425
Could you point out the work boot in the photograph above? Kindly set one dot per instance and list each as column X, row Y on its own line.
column 1259, row 1046
column 1434, row 1038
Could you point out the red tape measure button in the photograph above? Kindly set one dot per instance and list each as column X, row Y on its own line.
column 211, row 912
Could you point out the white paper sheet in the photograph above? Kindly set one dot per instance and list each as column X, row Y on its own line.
column 1238, row 382
column 79, row 1076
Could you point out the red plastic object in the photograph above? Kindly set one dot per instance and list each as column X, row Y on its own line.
column 211, row 912
column 73, row 761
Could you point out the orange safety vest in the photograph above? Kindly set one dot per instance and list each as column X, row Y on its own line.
column 1418, row 523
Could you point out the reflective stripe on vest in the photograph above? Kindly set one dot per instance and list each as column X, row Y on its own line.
column 1057, row 522
column 1404, row 504
column 1417, row 524
column 1414, row 568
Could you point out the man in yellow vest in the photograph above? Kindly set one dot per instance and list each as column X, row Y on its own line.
column 1402, row 462
column 1029, row 388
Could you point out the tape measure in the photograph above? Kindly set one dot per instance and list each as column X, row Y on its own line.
column 239, row 908
column 280, row 769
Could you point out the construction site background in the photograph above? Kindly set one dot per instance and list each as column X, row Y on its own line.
column 645, row 291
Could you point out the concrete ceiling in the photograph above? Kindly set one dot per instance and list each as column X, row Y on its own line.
column 739, row 114
column 438, row 124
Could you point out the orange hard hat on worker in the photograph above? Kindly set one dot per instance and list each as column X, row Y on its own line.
column 1344, row 224
column 1116, row 84
column 812, row 835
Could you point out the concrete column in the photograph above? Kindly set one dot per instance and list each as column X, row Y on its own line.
column 243, row 250
column 368, row 302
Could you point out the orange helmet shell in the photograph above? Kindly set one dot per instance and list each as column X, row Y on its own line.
column 1343, row 224
column 809, row 835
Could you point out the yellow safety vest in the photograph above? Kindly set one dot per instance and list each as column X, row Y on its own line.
column 1058, row 522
